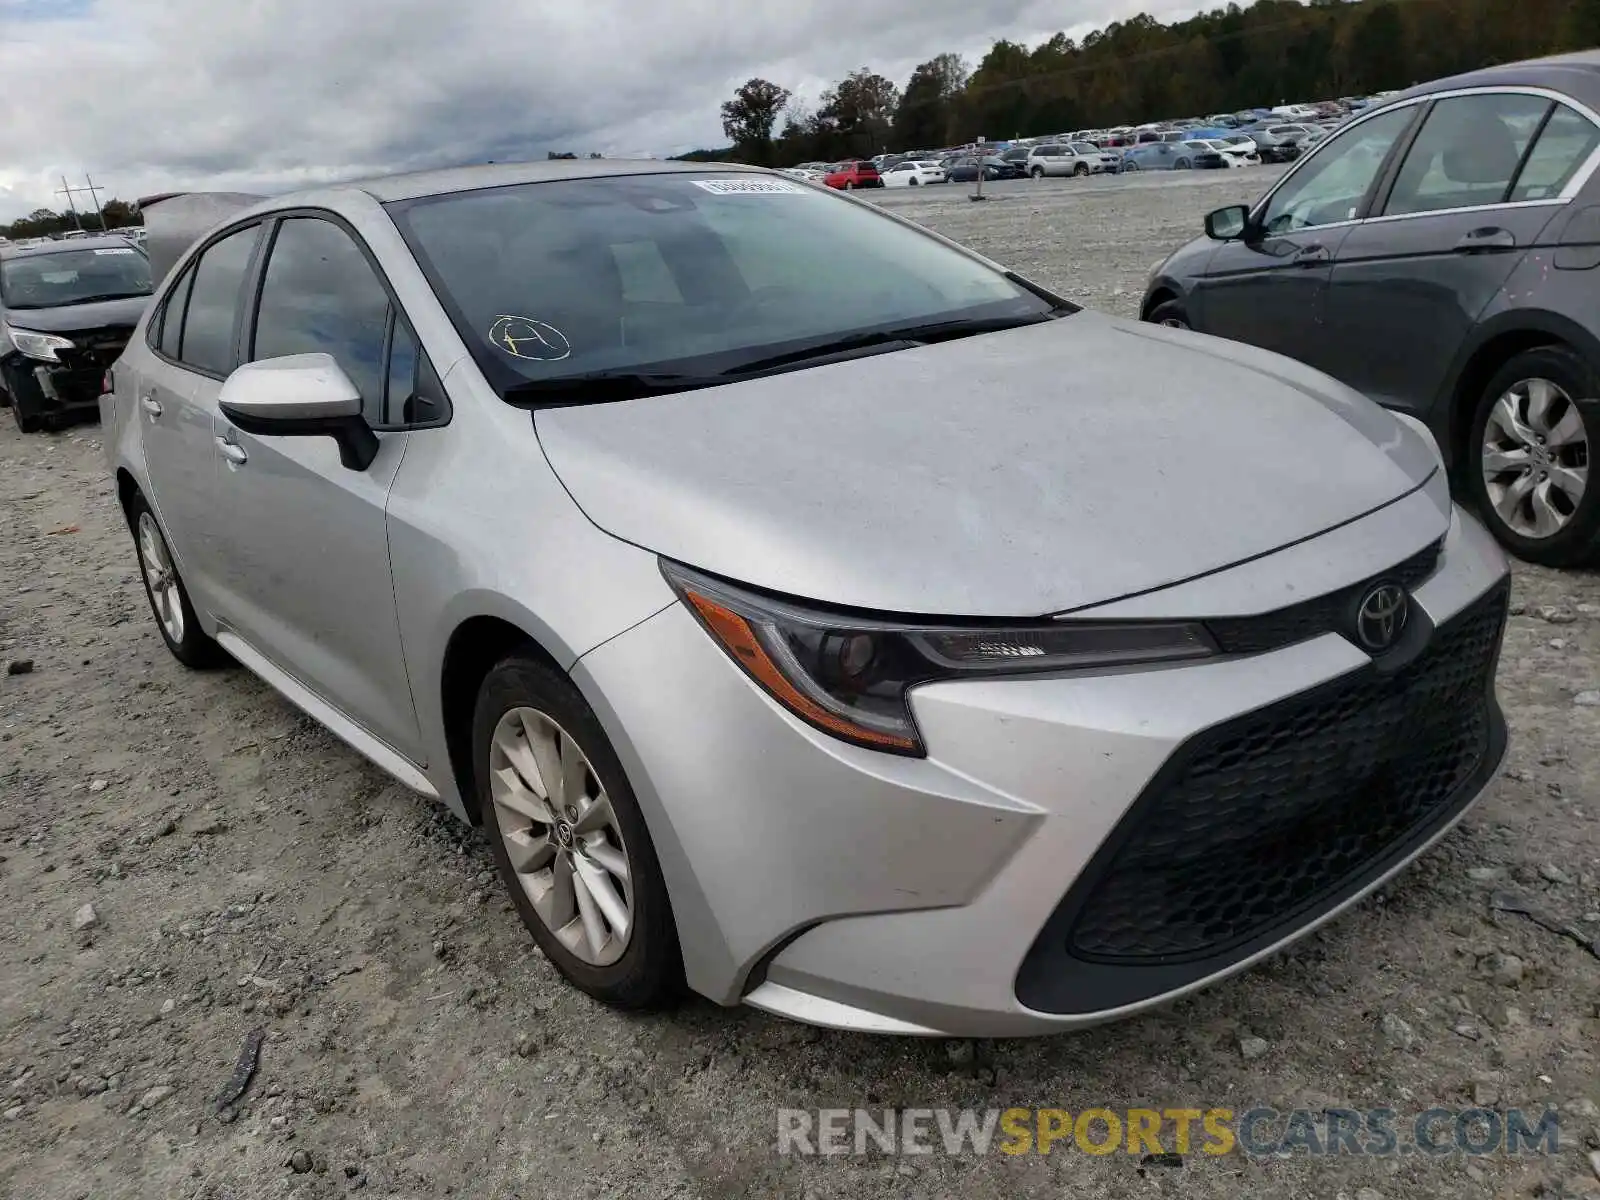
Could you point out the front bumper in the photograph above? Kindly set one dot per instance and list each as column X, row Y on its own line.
column 948, row 895
column 69, row 386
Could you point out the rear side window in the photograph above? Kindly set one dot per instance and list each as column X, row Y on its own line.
column 1565, row 144
column 172, row 315
column 1466, row 153
column 319, row 294
column 213, row 307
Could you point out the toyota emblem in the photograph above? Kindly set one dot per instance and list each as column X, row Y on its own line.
column 1381, row 616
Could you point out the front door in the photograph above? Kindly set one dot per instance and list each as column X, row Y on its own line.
column 304, row 572
column 1269, row 288
column 1464, row 209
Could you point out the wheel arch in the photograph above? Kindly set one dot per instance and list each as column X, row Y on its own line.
column 471, row 652
column 127, row 488
column 1160, row 293
column 1495, row 343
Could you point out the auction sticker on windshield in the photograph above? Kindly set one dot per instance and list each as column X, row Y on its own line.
column 745, row 187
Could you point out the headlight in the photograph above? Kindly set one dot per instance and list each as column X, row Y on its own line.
column 849, row 675
column 41, row 346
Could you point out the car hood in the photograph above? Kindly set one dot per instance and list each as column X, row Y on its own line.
column 69, row 317
column 1033, row 471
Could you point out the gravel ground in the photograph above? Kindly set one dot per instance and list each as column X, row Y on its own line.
column 246, row 871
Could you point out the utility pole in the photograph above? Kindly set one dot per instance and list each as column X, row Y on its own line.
column 67, row 190
column 94, row 195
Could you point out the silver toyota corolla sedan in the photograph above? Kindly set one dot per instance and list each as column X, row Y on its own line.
column 814, row 613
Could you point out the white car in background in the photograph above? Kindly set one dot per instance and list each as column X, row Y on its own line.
column 1230, row 153
column 913, row 172
column 805, row 174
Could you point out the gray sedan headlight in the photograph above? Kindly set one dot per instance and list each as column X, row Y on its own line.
column 41, row 347
column 849, row 674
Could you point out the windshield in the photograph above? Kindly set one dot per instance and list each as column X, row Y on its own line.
column 682, row 274
column 74, row 276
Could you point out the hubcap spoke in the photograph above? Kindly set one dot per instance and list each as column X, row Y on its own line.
column 529, row 851
column 557, row 905
column 512, row 794
column 609, row 857
column 539, row 737
column 1568, row 430
column 1542, row 394
column 1546, row 518
column 612, row 907
column 1570, row 481
column 594, row 930
column 1504, row 416
column 596, row 817
column 574, row 773
column 1498, row 461
column 1516, row 492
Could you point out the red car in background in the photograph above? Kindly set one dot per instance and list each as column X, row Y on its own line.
column 853, row 175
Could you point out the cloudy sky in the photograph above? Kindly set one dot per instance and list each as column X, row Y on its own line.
column 264, row 95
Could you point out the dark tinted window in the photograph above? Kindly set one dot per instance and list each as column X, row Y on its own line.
column 1565, row 145
column 172, row 320
column 401, row 377
column 74, row 276
column 214, row 302
column 1050, row 151
column 319, row 294
column 1466, row 152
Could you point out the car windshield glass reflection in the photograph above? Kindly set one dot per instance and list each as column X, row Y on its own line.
column 77, row 276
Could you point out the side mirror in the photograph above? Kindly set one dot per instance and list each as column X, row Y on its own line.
column 1228, row 224
column 301, row 395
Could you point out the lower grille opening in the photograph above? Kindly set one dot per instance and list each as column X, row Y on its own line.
column 1259, row 824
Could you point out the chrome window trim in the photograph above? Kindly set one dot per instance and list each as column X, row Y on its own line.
column 1387, row 218
column 1576, row 184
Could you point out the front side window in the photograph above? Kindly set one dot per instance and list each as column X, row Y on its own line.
column 675, row 273
column 79, row 276
column 1567, row 141
column 208, row 322
column 1466, row 152
column 1333, row 183
column 319, row 294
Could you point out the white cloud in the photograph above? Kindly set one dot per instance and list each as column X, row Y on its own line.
column 152, row 95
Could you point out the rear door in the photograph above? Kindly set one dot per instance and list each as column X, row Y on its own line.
column 1269, row 288
column 193, row 346
column 1482, row 180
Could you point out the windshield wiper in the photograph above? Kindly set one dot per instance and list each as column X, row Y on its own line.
column 601, row 387
column 100, row 298
column 903, row 338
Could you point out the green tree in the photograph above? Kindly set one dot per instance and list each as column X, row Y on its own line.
column 748, row 118
column 924, row 109
column 860, row 110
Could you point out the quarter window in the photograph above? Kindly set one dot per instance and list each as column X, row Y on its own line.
column 1466, row 153
column 319, row 294
column 172, row 315
column 1565, row 144
column 1332, row 184
column 213, row 307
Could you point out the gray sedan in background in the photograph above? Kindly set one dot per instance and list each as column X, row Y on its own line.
column 1439, row 253
column 836, row 650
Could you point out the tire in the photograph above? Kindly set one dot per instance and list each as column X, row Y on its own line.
column 1538, row 388
column 1181, row 165
column 912, row 182
column 1170, row 313
column 1129, row 166
column 1037, row 172
column 1080, row 170
column 642, row 969
column 188, row 642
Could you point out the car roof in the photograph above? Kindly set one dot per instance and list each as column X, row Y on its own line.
column 1576, row 74
column 56, row 247
column 415, row 184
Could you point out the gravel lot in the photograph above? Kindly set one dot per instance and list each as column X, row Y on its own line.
column 246, row 871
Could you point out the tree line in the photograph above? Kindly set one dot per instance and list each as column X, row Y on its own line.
column 1130, row 72
column 42, row 222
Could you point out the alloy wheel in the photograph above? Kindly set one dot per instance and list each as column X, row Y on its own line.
column 156, row 563
column 1535, row 458
column 561, row 835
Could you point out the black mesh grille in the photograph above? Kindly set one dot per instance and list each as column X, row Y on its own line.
column 1263, row 817
column 1311, row 618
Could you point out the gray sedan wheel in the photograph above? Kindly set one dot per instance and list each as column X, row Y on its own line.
column 169, row 599
column 568, row 837
column 1531, row 446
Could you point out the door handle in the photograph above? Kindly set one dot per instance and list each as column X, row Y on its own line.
column 232, row 451
column 1490, row 237
column 1310, row 256
column 150, row 404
